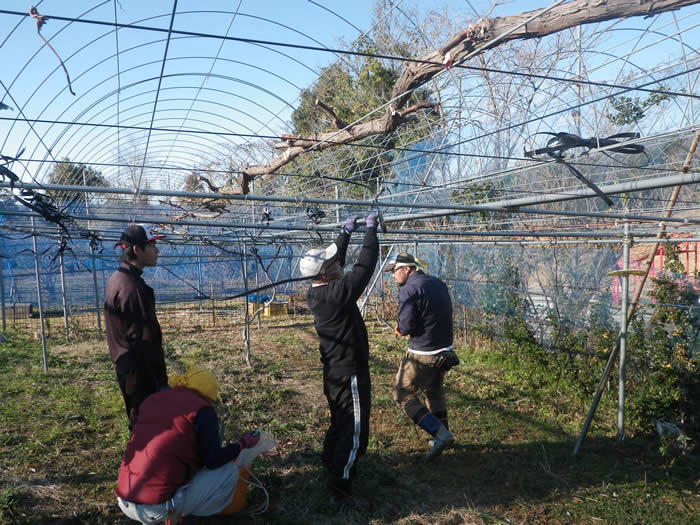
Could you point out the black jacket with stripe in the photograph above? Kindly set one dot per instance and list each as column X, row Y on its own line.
column 343, row 338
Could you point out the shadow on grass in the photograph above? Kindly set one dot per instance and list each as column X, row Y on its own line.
column 395, row 487
column 400, row 487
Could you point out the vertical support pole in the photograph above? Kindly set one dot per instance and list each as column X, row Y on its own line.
column 623, row 336
column 213, row 307
column 246, row 329
column 337, row 208
column 37, row 273
column 381, row 291
column 199, row 277
column 2, row 290
column 63, row 294
column 97, row 292
column 464, row 330
column 257, row 285
column 92, row 257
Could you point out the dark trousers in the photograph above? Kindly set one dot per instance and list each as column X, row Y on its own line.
column 349, row 400
column 133, row 401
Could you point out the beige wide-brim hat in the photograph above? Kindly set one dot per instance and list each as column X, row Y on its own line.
column 401, row 260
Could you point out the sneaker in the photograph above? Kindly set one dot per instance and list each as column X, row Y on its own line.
column 444, row 439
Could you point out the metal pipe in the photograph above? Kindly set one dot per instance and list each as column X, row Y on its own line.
column 199, row 276
column 37, row 273
column 246, row 328
column 550, row 237
column 333, row 227
column 97, row 293
column 503, row 205
column 623, row 338
column 63, row 293
column 2, row 290
column 257, row 285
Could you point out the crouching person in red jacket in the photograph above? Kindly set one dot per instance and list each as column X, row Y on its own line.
column 174, row 464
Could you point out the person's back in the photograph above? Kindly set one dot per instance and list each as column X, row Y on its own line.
column 174, row 438
column 425, row 315
column 338, row 322
column 429, row 322
column 162, row 452
column 344, row 349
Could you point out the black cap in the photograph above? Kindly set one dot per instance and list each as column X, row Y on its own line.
column 138, row 234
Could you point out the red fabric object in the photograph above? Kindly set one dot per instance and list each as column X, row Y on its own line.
column 162, row 451
column 249, row 439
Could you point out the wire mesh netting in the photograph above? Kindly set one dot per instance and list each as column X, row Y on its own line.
column 508, row 159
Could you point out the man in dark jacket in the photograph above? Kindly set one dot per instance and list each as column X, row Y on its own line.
column 133, row 333
column 344, row 348
column 425, row 314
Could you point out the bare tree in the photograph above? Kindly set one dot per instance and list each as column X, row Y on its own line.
column 469, row 43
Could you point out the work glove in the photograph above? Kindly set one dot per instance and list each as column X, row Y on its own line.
column 350, row 224
column 371, row 220
column 249, row 439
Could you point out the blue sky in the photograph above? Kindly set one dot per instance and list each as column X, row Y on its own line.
column 229, row 87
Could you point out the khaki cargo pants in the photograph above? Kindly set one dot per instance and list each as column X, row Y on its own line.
column 417, row 376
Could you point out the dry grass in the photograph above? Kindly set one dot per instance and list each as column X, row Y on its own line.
column 63, row 434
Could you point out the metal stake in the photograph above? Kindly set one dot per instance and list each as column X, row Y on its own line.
column 63, row 294
column 97, row 293
column 2, row 290
column 37, row 272
column 246, row 329
column 623, row 337
column 199, row 277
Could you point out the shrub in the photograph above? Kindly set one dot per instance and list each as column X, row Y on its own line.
column 664, row 362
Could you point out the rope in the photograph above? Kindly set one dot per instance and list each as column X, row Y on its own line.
column 262, row 507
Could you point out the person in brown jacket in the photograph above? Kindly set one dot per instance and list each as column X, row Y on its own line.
column 133, row 333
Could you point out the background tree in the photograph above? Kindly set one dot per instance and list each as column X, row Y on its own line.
column 345, row 93
column 68, row 173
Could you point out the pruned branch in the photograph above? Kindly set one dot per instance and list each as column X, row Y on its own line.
column 475, row 39
column 337, row 122
column 416, row 107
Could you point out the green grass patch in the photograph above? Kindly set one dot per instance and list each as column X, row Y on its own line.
column 63, row 433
